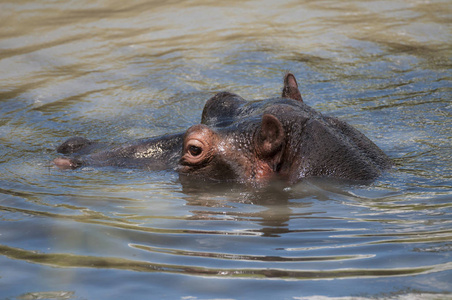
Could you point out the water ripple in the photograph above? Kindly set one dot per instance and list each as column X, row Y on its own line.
column 81, row 261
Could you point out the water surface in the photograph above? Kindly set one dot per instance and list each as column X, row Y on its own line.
column 116, row 71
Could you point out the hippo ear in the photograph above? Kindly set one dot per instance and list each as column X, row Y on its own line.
column 270, row 138
column 290, row 89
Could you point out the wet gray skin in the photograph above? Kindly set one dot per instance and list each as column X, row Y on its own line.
column 247, row 142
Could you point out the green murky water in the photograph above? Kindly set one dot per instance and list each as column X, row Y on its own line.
column 115, row 71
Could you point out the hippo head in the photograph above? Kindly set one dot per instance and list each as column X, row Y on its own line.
column 279, row 138
column 250, row 142
column 249, row 152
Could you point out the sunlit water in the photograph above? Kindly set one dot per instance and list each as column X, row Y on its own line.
column 121, row 70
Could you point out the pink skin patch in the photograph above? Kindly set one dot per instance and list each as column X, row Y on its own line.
column 64, row 163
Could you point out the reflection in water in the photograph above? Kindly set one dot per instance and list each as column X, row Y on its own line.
column 115, row 71
column 273, row 218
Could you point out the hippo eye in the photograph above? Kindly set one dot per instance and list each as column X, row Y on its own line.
column 194, row 150
column 197, row 149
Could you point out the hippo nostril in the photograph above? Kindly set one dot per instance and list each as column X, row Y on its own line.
column 194, row 150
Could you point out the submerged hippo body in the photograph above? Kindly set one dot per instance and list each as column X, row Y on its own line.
column 248, row 142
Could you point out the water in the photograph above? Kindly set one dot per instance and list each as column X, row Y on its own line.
column 116, row 71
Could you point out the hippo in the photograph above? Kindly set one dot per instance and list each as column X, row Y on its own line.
column 248, row 142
